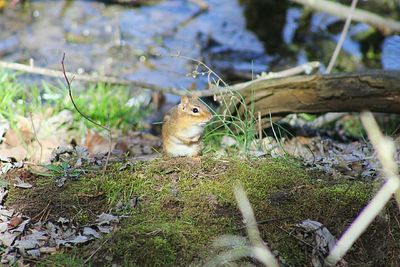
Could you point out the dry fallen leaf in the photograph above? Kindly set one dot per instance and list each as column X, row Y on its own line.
column 21, row 184
column 95, row 143
column 18, row 137
column 14, row 222
column 323, row 241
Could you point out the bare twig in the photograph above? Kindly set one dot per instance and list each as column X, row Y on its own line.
column 326, row 119
column 295, row 237
column 36, row 137
column 97, row 250
column 72, row 99
column 306, row 68
column 209, row 70
column 385, row 25
column 89, row 78
column 259, row 128
column 41, row 213
column 384, row 148
column 203, row 5
column 342, row 37
column 109, row 152
column 83, row 115
column 217, row 90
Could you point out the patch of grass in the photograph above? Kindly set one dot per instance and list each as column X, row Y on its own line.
column 13, row 99
column 63, row 260
column 242, row 129
column 184, row 205
column 106, row 104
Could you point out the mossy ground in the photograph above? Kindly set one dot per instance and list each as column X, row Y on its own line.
column 185, row 204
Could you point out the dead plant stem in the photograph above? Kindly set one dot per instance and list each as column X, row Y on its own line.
column 36, row 137
column 85, row 116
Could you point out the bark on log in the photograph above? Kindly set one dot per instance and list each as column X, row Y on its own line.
column 375, row 90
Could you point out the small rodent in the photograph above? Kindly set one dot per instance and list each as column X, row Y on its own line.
column 183, row 127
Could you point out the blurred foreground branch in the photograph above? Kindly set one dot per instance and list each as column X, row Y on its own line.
column 260, row 250
column 239, row 247
column 385, row 25
column 385, row 149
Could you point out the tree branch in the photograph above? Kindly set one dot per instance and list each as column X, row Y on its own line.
column 385, row 25
column 85, row 116
column 89, row 78
column 342, row 37
column 304, row 68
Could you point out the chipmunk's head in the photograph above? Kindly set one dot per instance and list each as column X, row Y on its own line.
column 194, row 112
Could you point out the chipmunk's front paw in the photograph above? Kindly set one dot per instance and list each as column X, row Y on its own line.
column 195, row 139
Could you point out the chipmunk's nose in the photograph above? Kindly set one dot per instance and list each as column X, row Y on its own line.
column 210, row 116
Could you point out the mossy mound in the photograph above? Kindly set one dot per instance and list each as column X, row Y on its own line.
column 185, row 204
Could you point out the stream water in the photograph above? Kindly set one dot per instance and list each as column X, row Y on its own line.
column 141, row 43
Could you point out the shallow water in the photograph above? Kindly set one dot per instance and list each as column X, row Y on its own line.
column 140, row 43
column 134, row 43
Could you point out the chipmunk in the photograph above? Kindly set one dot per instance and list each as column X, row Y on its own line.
column 183, row 127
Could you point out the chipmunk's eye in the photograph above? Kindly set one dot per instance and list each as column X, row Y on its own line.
column 195, row 110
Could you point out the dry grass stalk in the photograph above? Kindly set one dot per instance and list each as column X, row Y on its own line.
column 260, row 251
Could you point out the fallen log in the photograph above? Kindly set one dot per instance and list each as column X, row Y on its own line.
column 374, row 90
column 278, row 95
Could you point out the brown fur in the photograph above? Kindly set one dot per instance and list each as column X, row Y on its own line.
column 182, row 128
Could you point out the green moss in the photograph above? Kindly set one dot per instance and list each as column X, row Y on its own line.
column 185, row 204
column 62, row 260
column 154, row 244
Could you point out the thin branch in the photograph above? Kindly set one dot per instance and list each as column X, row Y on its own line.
column 72, row 99
column 85, row 116
column 306, row 68
column 259, row 128
column 108, row 154
column 342, row 38
column 36, row 137
column 89, row 78
column 386, row 25
column 295, row 237
column 170, row 90
column 325, row 119
column 200, row 63
column 96, row 250
column 203, row 5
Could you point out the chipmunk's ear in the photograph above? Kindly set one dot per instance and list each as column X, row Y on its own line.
column 184, row 102
column 195, row 96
